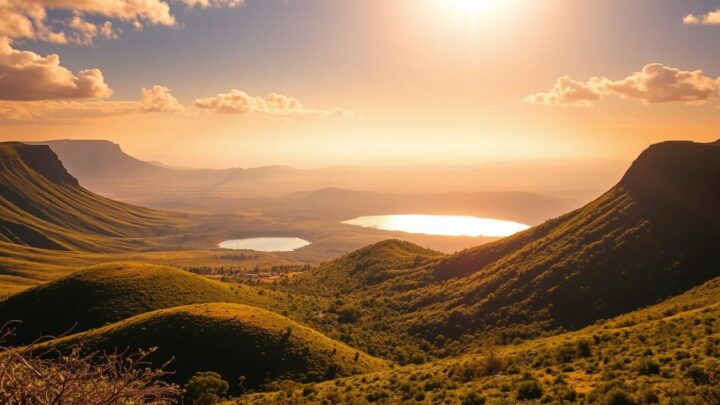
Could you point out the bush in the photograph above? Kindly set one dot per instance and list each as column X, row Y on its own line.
column 617, row 396
column 74, row 378
column 348, row 314
column 648, row 367
column 473, row 398
column 698, row 375
column 206, row 388
column 529, row 390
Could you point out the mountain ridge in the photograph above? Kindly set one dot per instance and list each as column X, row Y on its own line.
column 43, row 205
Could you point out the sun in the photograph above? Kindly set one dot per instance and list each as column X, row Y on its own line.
column 473, row 7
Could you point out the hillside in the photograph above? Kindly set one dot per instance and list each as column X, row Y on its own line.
column 652, row 236
column 231, row 339
column 664, row 353
column 42, row 205
column 112, row 292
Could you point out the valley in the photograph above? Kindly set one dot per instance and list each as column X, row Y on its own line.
column 614, row 301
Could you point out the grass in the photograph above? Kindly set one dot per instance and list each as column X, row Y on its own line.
column 41, row 205
column 232, row 339
column 665, row 352
column 111, row 292
column 635, row 245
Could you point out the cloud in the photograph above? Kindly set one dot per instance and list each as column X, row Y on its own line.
column 155, row 99
column 276, row 105
column 107, row 30
column 568, row 92
column 655, row 83
column 54, row 111
column 25, row 75
column 29, row 18
column 85, row 31
column 711, row 18
column 159, row 99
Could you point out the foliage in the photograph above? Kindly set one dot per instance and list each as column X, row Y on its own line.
column 206, row 388
column 233, row 340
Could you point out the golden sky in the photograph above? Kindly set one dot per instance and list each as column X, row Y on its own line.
column 310, row 83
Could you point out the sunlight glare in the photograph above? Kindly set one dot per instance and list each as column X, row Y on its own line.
column 445, row 225
column 475, row 7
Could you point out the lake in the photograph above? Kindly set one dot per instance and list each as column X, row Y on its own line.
column 446, row 225
column 265, row 244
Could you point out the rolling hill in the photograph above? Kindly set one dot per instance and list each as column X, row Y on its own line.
column 42, row 205
column 232, row 339
column 664, row 353
column 652, row 236
column 112, row 292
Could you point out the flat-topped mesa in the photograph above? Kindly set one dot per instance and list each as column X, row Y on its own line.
column 39, row 158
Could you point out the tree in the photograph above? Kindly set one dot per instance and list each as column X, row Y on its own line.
column 206, row 388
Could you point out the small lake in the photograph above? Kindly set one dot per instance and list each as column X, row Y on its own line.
column 265, row 244
column 446, row 225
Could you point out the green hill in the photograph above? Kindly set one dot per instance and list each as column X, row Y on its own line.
column 42, row 205
column 367, row 267
column 232, row 339
column 652, row 236
column 111, row 292
column 668, row 353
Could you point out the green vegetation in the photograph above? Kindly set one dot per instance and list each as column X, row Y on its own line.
column 231, row 339
column 42, row 205
column 667, row 353
column 206, row 388
column 637, row 244
column 614, row 303
column 112, row 292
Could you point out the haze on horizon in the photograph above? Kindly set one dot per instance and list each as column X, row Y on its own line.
column 226, row 83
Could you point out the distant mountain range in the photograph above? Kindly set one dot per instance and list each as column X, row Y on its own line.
column 104, row 168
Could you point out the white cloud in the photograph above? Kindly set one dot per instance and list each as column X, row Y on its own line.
column 655, row 83
column 277, row 105
column 25, row 75
column 29, row 18
column 159, row 99
column 155, row 99
column 568, row 92
column 711, row 18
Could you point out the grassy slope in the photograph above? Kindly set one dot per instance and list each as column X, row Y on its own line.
column 41, row 205
column 22, row 266
column 652, row 236
column 668, row 350
column 111, row 292
column 231, row 339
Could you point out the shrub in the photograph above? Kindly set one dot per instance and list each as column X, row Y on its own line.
column 648, row 367
column 473, row 398
column 75, row 378
column 617, row 396
column 206, row 388
column 348, row 314
column 529, row 390
column 584, row 348
column 698, row 375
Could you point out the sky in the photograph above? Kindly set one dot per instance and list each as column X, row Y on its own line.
column 311, row 83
